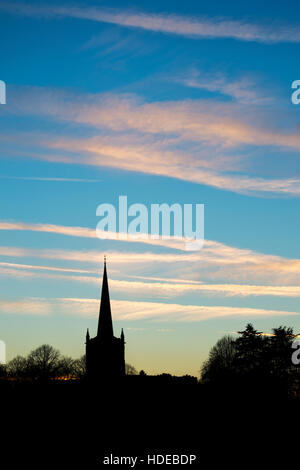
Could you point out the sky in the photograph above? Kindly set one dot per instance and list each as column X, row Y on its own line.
column 164, row 102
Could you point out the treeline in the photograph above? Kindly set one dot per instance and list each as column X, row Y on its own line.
column 47, row 363
column 254, row 360
column 44, row 363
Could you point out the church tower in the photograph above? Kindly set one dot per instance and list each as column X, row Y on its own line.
column 105, row 354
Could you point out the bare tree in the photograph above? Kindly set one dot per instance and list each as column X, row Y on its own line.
column 44, row 362
column 65, row 367
column 17, row 367
column 79, row 367
column 130, row 370
column 3, row 370
column 221, row 358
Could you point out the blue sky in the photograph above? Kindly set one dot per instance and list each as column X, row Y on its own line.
column 164, row 102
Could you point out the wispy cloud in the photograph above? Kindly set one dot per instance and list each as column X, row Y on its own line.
column 26, row 306
column 188, row 26
column 198, row 141
column 166, row 289
column 192, row 120
column 127, row 310
column 85, row 232
column 42, row 268
column 238, row 272
column 244, row 89
column 189, row 313
column 217, row 260
column 21, row 273
column 49, row 228
column 96, row 152
column 54, row 179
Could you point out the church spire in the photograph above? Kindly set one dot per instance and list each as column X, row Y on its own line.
column 105, row 327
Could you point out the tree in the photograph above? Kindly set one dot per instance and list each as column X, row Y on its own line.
column 79, row 367
column 44, row 362
column 250, row 350
column 65, row 367
column 130, row 370
column 282, row 371
column 254, row 363
column 3, row 370
column 221, row 360
column 18, row 367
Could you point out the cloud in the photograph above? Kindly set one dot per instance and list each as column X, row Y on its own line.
column 42, row 268
column 26, row 306
column 192, row 120
column 49, row 228
column 85, row 232
column 187, row 26
column 199, row 141
column 168, row 289
column 126, row 310
column 30, row 273
column 162, row 162
column 217, row 261
column 149, row 285
column 244, row 90
column 130, row 310
column 54, row 179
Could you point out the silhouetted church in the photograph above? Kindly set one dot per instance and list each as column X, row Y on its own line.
column 105, row 354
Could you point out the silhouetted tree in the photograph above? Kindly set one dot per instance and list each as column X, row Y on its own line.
column 221, row 361
column 250, row 352
column 254, row 363
column 3, row 370
column 65, row 368
column 130, row 370
column 79, row 367
column 18, row 367
column 282, row 370
column 44, row 362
